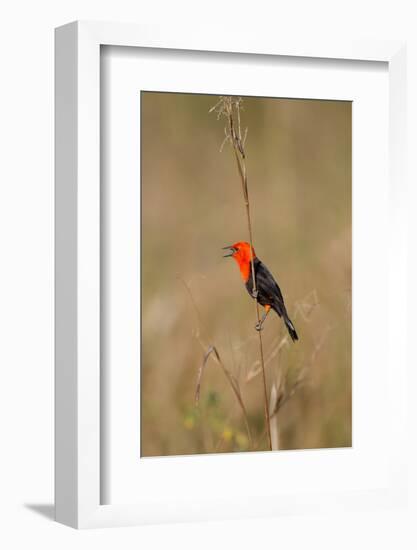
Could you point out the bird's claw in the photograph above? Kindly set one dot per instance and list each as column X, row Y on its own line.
column 254, row 294
column 258, row 326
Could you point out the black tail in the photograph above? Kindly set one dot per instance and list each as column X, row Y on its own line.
column 290, row 327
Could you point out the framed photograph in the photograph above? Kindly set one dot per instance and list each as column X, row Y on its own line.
column 230, row 287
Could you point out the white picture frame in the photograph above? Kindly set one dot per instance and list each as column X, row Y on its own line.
column 78, row 501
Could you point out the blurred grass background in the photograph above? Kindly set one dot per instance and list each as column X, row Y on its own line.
column 299, row 173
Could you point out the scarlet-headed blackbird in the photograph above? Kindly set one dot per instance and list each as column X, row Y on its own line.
column 268, row 293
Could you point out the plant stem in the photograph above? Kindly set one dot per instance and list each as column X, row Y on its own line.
column 238, row 147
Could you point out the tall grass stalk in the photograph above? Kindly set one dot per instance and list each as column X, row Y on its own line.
column 230, row 108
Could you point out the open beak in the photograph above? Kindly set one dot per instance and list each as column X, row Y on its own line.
column 230, row 249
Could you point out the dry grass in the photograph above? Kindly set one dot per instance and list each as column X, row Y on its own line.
column 230, row 107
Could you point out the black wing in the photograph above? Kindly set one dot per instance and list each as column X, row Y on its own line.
column 268, row 289
column 269, row 292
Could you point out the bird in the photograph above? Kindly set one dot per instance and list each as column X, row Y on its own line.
column 267, row 293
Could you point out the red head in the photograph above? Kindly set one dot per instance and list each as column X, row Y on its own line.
column 241, row 253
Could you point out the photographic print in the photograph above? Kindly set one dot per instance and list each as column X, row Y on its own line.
column 246, row 260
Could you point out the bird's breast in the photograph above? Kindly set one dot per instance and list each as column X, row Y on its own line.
column 245, row 271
